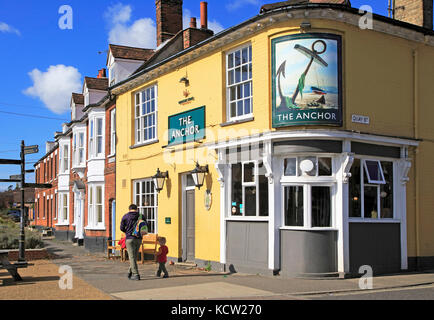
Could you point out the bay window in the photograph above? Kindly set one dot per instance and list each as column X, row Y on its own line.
column 146, row 115
column 308, row 186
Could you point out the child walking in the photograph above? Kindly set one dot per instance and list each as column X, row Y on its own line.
column 162, row 257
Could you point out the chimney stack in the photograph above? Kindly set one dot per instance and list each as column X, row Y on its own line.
column 418, row 12
column 204, row 15
column 193, row 23
column 101, row 73
column 169, row 19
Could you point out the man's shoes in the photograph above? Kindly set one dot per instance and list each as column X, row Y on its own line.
column 166, row 276
column 130, row 274
column 136, row 277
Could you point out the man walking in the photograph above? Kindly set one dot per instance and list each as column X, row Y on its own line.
column 132, row 242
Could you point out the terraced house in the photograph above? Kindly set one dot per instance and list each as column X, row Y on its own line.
column 296, row 142
column 80, row 164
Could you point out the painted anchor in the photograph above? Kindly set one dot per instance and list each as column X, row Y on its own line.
column 287, row 102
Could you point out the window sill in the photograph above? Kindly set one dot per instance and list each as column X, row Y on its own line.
column 236, row 121
column 372, row 220
column 309, row 229
column 144, row 144
column 62, row 224
column 95, row 228
column 248, row 218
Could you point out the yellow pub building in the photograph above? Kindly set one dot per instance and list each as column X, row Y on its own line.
column 298, row 142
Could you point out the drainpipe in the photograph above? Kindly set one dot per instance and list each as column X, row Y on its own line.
column 416, row 158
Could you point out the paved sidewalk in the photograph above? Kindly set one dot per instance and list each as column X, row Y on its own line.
column 107, row 279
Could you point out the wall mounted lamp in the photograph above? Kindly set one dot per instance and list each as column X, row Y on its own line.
column 198, row 175
column 159, row 179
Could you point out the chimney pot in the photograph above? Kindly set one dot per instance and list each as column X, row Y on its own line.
column 204, row 15
column 193, row 23
column 101, row 73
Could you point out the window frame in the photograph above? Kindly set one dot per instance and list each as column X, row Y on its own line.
column 92, row 212
column 140, row 206
column 113, row 132
column 245, row 185
column 62, row 207
column 63, row 169
column 94, row 137
column 228, row 86
column 140, row 119
column 363, row 170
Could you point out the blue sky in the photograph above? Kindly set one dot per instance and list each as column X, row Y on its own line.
column 42, row 64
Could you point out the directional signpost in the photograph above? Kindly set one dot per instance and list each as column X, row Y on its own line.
column 21, row 179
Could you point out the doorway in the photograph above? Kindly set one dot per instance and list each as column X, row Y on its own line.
column 188, row 219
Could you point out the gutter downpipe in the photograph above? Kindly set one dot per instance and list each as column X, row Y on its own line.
column 416, row 136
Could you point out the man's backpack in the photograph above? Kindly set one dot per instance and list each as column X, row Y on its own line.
column 141, row 227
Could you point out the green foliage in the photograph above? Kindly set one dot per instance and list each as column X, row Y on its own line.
column 10, row 234
column 208, row 266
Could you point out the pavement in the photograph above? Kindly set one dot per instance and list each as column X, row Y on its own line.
column 95, row 277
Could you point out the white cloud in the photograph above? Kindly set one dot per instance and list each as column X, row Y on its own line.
column 54, row 86
column 236, row 4
column 5, row 28
column 213, row 25
column 140, row 33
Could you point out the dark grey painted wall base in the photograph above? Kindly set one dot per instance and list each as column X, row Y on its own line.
column 420, row 263
column 62, row 235
column 95, row 244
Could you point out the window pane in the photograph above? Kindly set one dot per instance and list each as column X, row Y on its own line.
column 245, row 73
column 371, row 201
column 99, row 213
column 247, row 106
column 307, row 166
column 290, row 167
column 250, row 201
column 373, row 171
column 99, row 126
column 249, row 173
column 263, row 192
column 294, row 206
column 355, row 203
column 237, row 58
column 236, row 190
column 245, row 55
column 321, row 207
column 324, row 166
column 231, row 61
column 237, row 75
column 240, row 107
column 386, row 191
column 233, row 109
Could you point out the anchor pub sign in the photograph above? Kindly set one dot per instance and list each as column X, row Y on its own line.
column 306, row 80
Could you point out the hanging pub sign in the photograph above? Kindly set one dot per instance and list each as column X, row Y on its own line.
column 187, row 126
column 306, row 80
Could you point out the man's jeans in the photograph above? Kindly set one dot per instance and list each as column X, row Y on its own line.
column 133, row 246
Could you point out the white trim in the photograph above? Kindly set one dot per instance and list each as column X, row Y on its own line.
column 92, row 223
column 140, row 118
column 313, row 134
column 373, row 220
